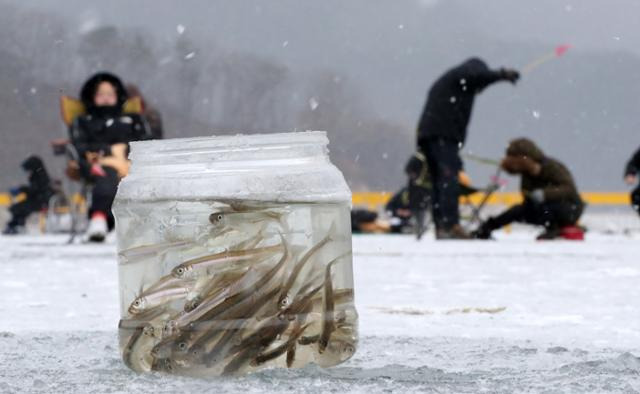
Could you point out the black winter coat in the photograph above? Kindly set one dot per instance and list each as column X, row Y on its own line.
column 39, row 189
column 91, row 133
column 633, row 166
column 102, row 127
column 450, row 101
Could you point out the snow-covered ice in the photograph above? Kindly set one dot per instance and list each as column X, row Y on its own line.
column 513, row 315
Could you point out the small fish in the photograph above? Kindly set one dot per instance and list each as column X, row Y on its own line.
column 157, row 298
column 231, row 219
column 240, row 360
column 231, row 330
column 145, row 251
column 276, row 325
column 235, row 303
column 167, row 281
column 223, row 260
column 285, row 298
column 329, row 303
column 206, row 326
column 291, row 355
column 136, row 352
column 340, row 296
column 289, row 344
column 220, row 284
column 309, row 340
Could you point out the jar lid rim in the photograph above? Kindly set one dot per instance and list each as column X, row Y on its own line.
column 229, row 140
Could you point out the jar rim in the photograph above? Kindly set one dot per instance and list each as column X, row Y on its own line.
column 227, row 141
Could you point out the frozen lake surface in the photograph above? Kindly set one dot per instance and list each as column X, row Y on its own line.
column 513, row 315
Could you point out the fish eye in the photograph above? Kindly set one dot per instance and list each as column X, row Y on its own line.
column 136, row 302
column 180, row 271
column 182, row 345
column 216, row 218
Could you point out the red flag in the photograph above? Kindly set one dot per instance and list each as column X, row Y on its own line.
column 562, row 49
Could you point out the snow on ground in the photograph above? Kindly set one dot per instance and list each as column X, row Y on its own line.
column 512, row 315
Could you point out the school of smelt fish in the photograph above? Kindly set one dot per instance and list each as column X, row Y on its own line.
column 260, row 302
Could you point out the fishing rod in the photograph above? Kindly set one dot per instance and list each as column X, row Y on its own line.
column 481, row 159
column 557, row 52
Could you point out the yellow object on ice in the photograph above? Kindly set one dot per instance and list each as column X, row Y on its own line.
column 71, row 108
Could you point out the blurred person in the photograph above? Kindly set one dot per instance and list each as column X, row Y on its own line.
column 631, row 178
column 550, row 196
column 101, row 138
column 151, row 114
column 37, row 195
column 399, row 211
column 442, row 132
column 366, row 221
column 418, row 193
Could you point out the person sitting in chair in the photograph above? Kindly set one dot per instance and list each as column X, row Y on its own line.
column 101, row 138
column 550, row 195
column 37, row 195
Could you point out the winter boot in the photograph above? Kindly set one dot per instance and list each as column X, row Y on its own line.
column 13, row 230
column 484, row 231
column 549, row 234
column 98, row 228
column 454, row 232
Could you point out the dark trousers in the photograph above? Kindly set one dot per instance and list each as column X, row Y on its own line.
column 551, row 215
column 103, row 193
column 21, row 211
column 635, row 199
column 444, row 164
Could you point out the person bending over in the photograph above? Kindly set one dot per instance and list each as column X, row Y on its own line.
column 550, row 195
column 442, row 132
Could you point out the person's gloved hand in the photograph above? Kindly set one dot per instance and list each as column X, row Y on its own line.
column 537, row 196
column 14, row 191
column 510, row 75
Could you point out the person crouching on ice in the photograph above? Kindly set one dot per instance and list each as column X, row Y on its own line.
column 101, row 138
column 550, row 195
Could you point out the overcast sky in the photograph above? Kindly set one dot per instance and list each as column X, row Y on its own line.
column 393, row 50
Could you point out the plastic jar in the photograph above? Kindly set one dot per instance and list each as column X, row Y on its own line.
column 234, row 255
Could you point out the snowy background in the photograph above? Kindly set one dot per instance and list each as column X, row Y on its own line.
column 513, row 315
column 359, row 69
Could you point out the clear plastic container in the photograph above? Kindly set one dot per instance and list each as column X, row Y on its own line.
column 234, row 255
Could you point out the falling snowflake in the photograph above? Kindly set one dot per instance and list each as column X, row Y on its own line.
column 285, row 44
column 452, row 99
column 536, row 114
column 180, row 29
column 190, row 55
column 313, row 103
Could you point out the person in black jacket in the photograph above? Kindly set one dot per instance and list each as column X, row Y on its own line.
column 101, row 139
column 631, row 178
column 442, row 131
column 38, row 193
